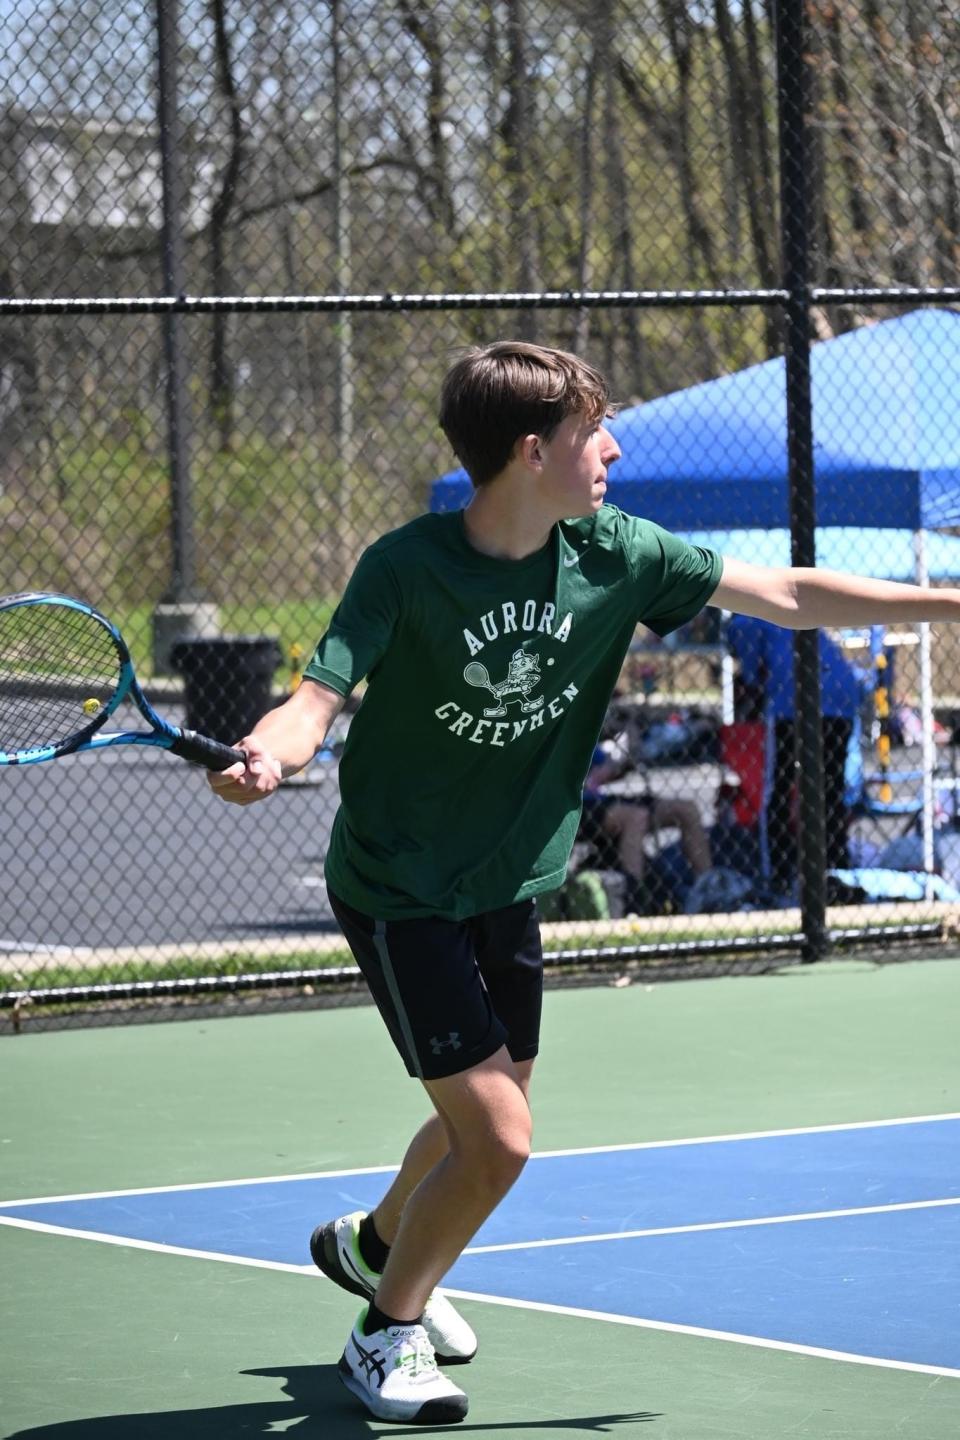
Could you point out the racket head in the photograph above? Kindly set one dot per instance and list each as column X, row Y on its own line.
column 64, row 669
column 476, row 674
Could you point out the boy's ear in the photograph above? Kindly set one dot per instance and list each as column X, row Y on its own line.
column 529, row 449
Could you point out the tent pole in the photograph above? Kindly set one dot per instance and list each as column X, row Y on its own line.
column 794, row 105
column 928, row 753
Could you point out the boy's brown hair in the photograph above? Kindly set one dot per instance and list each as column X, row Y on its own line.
column 496, row 393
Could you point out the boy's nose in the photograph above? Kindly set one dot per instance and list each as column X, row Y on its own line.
column 610, row 449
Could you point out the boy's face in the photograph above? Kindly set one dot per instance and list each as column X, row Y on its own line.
column 575, row 460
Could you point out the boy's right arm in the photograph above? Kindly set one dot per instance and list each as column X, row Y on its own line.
column 281, row 743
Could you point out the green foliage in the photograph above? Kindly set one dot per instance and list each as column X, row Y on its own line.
column 94, row 521
column 623, row 144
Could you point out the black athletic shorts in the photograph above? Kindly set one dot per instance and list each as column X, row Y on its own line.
column 452, row 992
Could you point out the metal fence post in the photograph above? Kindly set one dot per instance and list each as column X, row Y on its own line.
column 793, row 91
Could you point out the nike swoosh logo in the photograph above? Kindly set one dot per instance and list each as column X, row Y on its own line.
column 569, row 560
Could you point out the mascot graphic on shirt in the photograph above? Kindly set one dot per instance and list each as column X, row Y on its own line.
column 523, row 677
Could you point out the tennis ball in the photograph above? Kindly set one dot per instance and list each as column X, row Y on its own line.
column 90, row 707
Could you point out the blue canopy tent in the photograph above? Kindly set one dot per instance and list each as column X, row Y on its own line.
column 710, row 461
column 886, row 439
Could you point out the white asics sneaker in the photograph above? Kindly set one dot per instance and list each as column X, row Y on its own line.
column 335, row 1249
column 394, row 1372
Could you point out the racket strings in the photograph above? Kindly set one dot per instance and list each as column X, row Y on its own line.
column 59, row 669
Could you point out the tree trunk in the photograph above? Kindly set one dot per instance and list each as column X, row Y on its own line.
column 672, row 129
column 758, row 201
column 850, row 142
column 222, row 396
column 422, row 26
column 624, row 274
column 587, row 187
column 938, row 181
column 891, row 135
column 518, row 135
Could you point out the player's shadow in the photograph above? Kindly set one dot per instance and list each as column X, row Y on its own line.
column 590, row 1424
column 316, row 1405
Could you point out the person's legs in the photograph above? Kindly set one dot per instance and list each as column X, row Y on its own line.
column 781, row 835
column 387, row 1361
column 836, row 742
column 485, row 1115
column 593, row 830
column 685, row 815
column 462, row 1003
column 629, row 824
column 427, row 1148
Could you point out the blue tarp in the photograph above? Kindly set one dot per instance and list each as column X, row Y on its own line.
column 886, row 439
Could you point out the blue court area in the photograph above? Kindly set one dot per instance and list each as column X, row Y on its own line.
column 844, row 1239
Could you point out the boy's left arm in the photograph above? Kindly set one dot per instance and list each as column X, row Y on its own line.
column 806, row 599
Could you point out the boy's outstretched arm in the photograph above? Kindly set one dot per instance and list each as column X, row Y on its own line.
column 805, row 599
column 280, row 744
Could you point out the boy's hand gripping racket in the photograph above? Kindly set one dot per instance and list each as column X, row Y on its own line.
column 64, row 670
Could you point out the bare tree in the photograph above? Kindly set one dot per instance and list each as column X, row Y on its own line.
column 619, row 209
column 222, row 392
column 421, row 23
column 517, row 132
column 587, row 205
column 932, row 57
column 757, row 198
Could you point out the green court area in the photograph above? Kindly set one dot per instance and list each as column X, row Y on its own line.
column 135, row 1338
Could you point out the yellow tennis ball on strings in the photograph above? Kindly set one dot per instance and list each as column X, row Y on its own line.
column 91, row 706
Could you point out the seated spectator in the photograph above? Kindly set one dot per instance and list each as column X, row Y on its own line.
column 765, row 653
column 618, row 825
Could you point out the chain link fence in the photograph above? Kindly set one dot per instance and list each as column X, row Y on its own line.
column 242, row 242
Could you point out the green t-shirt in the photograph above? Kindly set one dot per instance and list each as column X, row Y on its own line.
column 488, row 682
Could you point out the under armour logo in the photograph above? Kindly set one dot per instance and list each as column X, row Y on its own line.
column 453, row 1043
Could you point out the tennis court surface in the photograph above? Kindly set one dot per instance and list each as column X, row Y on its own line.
column 743, row 1217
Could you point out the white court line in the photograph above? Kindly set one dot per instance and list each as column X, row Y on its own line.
column 697, row 1331
column 131, row 1244
column 204, row 1185
column 693, row 1229
column 538, row 1155
column 710, row 1225
column 703, row 1333
column 748, row 1135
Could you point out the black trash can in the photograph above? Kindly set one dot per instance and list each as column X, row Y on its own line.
column 226, row 682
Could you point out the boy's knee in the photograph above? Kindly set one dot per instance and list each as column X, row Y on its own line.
column 496, row 1160
column 506, row 1161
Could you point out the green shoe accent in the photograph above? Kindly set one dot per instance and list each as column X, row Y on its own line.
column 361, row 1264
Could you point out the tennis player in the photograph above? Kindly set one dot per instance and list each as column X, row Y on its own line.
column 490, row 640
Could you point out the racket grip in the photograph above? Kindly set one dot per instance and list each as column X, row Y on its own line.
column 201, row 750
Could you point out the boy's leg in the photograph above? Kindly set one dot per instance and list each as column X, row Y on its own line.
column 462, row 1003
column 487, row 1120
column 489, row 1128
column 426, row 1149
column 387, row 1362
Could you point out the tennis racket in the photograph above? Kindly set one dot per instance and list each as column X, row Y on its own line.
column 479, row 676
column 64, row 670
